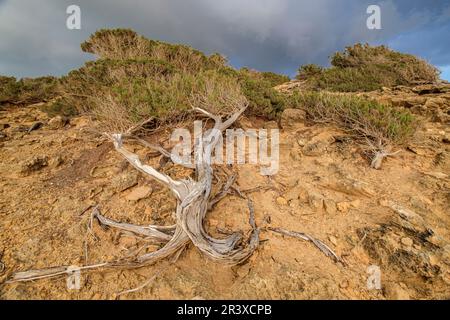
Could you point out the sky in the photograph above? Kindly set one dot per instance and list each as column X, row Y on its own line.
column 267, row 35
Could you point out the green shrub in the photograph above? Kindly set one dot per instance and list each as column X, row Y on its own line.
column 141, row 78
column 9, row 89
column 274, row 79
column 365, row 119
column 365, row 68
column 57, row 107
column 263, row 99
column 27, row 90
column 309, row 70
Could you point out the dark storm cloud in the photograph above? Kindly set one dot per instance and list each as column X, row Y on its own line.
column 277, row 35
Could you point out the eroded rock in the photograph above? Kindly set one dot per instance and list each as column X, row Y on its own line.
column 139, row 193
column 291, row 117
column 34, row 164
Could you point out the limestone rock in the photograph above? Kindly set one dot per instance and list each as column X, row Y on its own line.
column 407, row 242
column 139, row 193
column 291, row 117
column 351, row 187
column 34, row 164
column 124, row 181
column 270, row 125
column 57, row 122
column 315, row 200
column 343, row 206
column 281, row 201
column 330, row 206
column 318, row 144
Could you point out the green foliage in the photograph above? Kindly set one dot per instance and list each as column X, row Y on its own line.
column 146, row 78
column 274, row 79
column 9, row 89
column 364, row 118
column 57, row 107
column 365, row 68
column 309, row 70
column 263, row 99
column 27, row 90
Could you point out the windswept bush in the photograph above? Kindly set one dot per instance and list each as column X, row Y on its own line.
column 369, row 120
column 309, row 70
column 365, row 68
column 27, row 90
column 141, row 78
column 377, row 127
column 258, row 89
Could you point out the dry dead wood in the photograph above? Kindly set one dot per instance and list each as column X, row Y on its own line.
column 318, row 243
column 193, row 202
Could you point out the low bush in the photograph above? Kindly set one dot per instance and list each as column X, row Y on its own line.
column 141, row 78
column 366, row 68
column 27, row 90
column 369, row 121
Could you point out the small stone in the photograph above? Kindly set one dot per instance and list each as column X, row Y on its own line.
column 295, row 203
column 315, row 200
column 330, row 206
column 290, row 117
column 317, row 146
column 433, row 259
column 437, row 175
column 34, row 164
column 57, row 161
column 344, row 284
column 407, row 242
column 281, row 201
column 343, row 206
column 57, row 122
column 124, row 181
column 139, row 193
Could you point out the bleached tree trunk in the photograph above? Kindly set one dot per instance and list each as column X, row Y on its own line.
column 193, row 202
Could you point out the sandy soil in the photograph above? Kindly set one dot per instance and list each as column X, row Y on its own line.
column 396, row 218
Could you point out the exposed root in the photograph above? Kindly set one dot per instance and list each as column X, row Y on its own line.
column 193, row 203
column 318, row 243
column 49, row 272
column 146, row 283
column 157, row 233
column 378, row 158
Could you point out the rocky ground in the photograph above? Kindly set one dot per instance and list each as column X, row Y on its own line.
column 396, row 218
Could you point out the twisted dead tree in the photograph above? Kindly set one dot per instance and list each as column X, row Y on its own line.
column 193, row 202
